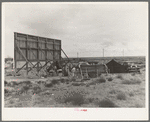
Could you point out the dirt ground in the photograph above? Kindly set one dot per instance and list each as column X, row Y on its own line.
column 112, row 90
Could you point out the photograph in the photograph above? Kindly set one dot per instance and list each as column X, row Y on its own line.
column 80, row 55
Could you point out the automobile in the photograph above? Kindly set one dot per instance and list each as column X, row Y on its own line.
column 131, row 67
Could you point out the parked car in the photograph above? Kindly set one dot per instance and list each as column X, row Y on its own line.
column 131, row 67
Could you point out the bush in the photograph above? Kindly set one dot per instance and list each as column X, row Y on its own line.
column 121, row 96
column 36, row 89
column 13, row 83
column 113, row 91
column 82, row 84
column 132, row 81
column 73, row 79
column 131, row 94
column 133, row 74
column 5, row 82
column 64, row 80
column 40, row 82
column 6, row 91
column 120, row 76
column 26, row 82
column 138, row 106
column 110, row 79
column 74, row 96
column 48, row 85
column 91, row 83
column 54, row 81
column 89, row 100
column 101, row 80
column 25, row 88
column 106, row 103
column 18, row 74
column 76, row 84
column 9, row 75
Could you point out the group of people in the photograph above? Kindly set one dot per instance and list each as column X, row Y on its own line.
column 62, row 70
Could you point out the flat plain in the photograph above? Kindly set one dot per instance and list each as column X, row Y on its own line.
column 123, row 90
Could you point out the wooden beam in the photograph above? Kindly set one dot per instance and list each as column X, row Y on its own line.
column 21, row 67
column 66, row 56
column 38, row 62
column 33, row 67
column 38, row 55
column 54, row 50
column 15, row 59
column 27, row 54
column 44, row 65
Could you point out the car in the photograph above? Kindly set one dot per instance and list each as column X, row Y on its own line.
column 131, row 67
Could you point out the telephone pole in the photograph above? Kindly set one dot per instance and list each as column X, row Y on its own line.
column 103, row 52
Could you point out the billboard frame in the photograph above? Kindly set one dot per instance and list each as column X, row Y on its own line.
column 28, row 50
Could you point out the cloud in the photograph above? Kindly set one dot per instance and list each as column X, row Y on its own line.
column 87, row 28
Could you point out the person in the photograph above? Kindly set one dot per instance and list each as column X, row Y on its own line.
column 77, row 71
column 55, row 69
column 49, row 70
column 73, row 71
column 64, row 71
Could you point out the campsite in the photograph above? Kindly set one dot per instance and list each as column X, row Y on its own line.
column 71, row 55
column 106, row 90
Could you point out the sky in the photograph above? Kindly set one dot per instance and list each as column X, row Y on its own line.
column 85, row 29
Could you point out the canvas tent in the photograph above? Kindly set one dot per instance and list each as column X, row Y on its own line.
column 115, row 67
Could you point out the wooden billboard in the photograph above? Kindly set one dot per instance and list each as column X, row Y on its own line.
column 31, row 48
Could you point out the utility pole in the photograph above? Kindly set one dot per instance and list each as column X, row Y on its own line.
column 123, row 54
column 103, row 52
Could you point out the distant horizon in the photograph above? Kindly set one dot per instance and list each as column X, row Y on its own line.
column 105, row 57
column 96, row 57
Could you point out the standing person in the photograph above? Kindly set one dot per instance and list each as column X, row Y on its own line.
column 63, row 71
column 55, row 69
column 77, row 71
column 73, row 71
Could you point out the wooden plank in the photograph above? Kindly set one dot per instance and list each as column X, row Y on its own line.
column 44, row 65
column 33, row 42
column 21, row 67
column 15, row 60
column 54, row 51
column 26, row 59
column 22, row 44
column 93, row 69
column 49, row 55
column 33, row 67
column 27, row 54
column 46, row 50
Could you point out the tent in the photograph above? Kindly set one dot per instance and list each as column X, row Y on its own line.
column 115, row 67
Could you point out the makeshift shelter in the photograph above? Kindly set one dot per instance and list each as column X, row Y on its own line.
column 92, row 71
column 115, row 67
